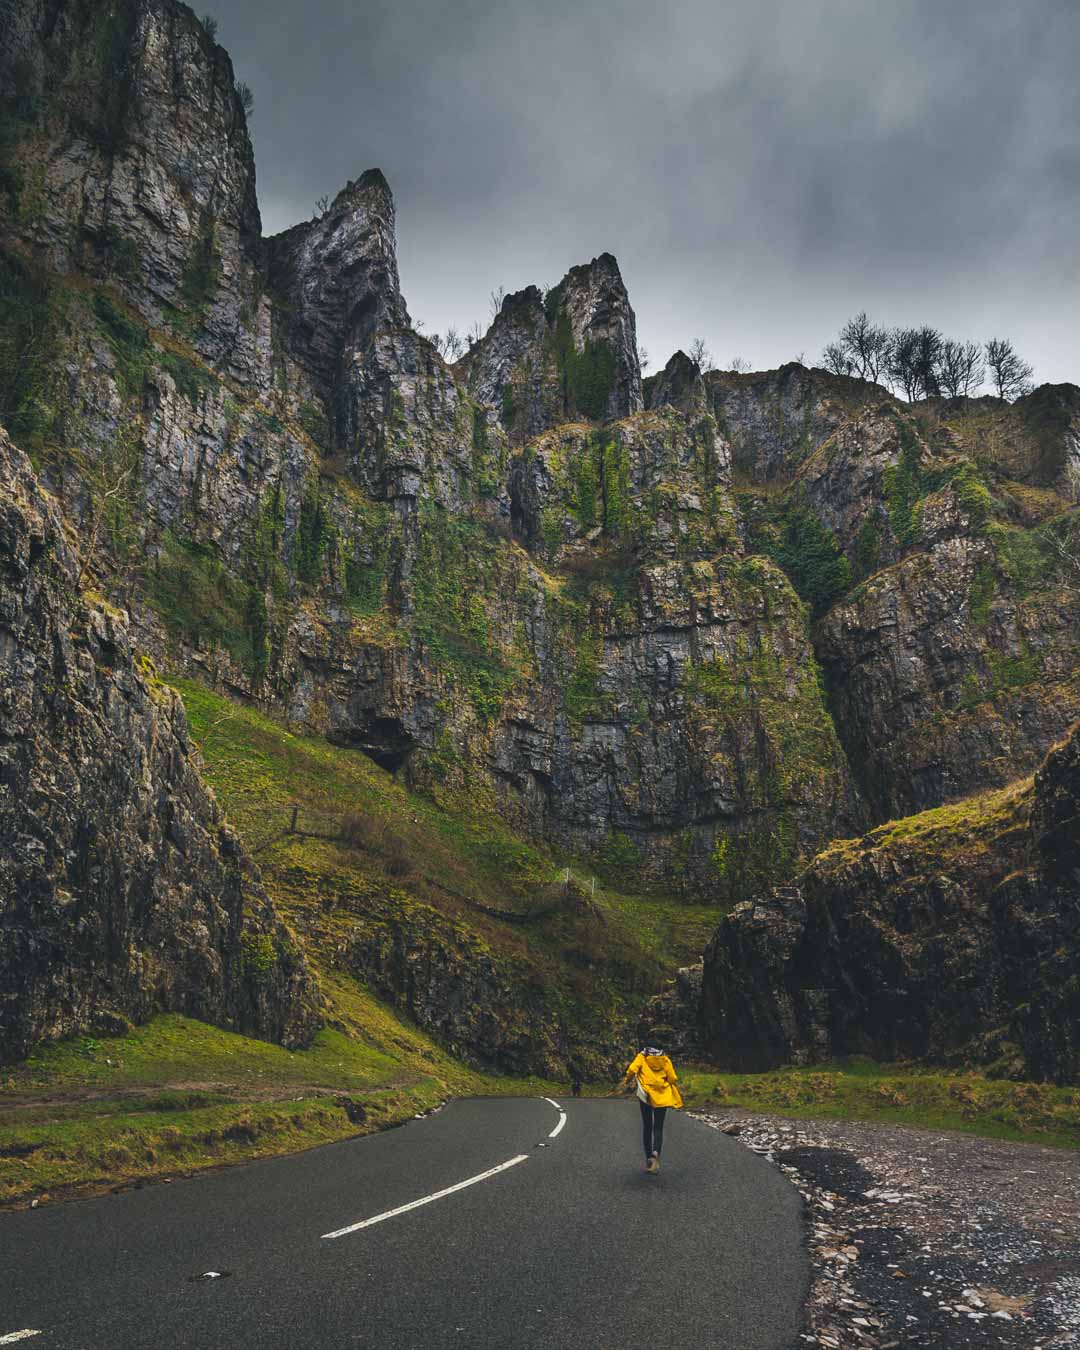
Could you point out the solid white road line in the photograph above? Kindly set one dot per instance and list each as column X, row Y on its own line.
column 562, row 1118
column 14, row 1336
column 427, row 1199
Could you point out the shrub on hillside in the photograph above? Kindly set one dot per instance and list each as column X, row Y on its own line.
column 369, row 834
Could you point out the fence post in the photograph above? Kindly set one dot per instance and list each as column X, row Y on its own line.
column 292, row 823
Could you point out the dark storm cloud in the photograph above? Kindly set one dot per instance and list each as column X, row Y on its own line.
column 760, row 170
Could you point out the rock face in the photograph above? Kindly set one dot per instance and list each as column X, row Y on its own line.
column 408, row 432
column 338, row 277
column 679, row 385
column 1042, row 963
column 478, row 1003
column 692, row 642
column 382, row 399
column 752, row 1022
column 594, row 300
column 948, row 936
column 670, row 1018
column 123, row 892
column 512, row 369
column 1035, row 440
column 550, row 359
column 132, row 163
column 952, row 663
column 947, row 676
column 775, row 419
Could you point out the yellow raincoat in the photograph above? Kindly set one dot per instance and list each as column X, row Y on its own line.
column 657, row 1075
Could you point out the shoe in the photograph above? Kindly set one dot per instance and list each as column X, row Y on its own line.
column 653, row 1165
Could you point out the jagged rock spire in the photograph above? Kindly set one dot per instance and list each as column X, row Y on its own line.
column 679, row 385
column 569, row 355
column 339, row 275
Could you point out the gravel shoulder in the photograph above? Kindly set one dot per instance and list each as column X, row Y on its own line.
column 927, row 1239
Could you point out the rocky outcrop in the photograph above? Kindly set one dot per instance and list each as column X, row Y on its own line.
column 746, row 1022
column 948, row 936
column 950, row 670
column 556, row 358
column 512, row 370
column 387, row 405
column 1042, row 958
column 658, row 481
column 338, row 278
column 594, row 300
column 952, row 662
column 679, row 385
column 123, row 893
column 776, row 419
column 127, row 158
column 483, row 1006
column 1035, row 441
column 847, row 480
column 1055, row 816
column 670, row 1018
column 1050, row 416
column 407, row 432
column 481, row 981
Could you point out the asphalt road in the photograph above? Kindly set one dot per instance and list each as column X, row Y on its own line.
column 573, row 1246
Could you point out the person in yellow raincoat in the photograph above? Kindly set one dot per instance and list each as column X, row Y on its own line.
column 654, row 1075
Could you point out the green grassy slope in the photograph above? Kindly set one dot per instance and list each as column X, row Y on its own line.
column 452, row 852
column 402, row 850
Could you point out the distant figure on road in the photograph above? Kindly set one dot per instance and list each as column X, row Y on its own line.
column 654, row 1076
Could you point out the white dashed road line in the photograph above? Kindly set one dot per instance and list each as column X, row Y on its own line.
column 424, row 1199
column 562, row 1118
column 14, row 1336
column 427, row 1199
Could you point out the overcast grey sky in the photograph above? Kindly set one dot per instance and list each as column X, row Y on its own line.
column 761, row 170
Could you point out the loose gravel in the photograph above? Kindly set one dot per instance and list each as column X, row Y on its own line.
column 924, row 1239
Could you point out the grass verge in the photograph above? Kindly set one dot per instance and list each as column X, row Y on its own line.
column 177, row 1096
column 860, row 1089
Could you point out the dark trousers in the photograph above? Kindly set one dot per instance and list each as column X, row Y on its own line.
column 652, row 1128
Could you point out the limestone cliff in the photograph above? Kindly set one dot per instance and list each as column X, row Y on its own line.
column 947, row 609
column 342, row 532
column 691, row 641
column 776, row 419
column 953, row 669
column 337, row 276
column 1035, row 441
column 123, row 892
column 127, row 158
column 947, row 936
